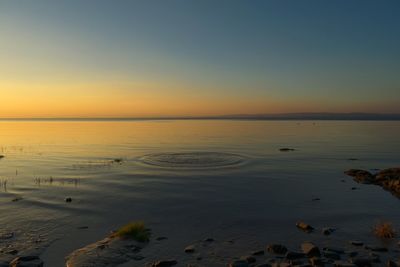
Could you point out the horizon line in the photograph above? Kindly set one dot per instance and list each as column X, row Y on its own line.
column 276, row 116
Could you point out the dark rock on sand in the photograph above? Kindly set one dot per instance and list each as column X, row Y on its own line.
column 356, row 243
column 310, row 249
column 190, row 249
column 276, row 248
column 1, row 156
column 286, row 149
column 304, row 226
column 26, row 261
column 68, row 199
column 327, row 231
column 165, row 263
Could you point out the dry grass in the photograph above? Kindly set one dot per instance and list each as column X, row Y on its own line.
column 384, row 230
column 134, row 230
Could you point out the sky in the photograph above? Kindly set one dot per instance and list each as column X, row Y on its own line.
column 147, row 58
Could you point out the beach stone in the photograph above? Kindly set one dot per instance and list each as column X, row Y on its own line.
column 209, row 239
column 26, row 261
column 239, row 263
column 310, row 249
column 291, row 255
column 110, row 251
column 304, row 226
column 286, row 149
column 276, row 248
column 165, row 263
column 357, row 243
column 327, row 231
column 190, row 249
column 68, row 199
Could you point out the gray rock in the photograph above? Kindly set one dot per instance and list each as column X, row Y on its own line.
column 276, row 248
column 356, row 243
column 26, row 261
column 304, row 226
column 190, row 249
column 327, row 231
column 310, row 249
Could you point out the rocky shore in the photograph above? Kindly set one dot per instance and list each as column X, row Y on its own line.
column 389, row 179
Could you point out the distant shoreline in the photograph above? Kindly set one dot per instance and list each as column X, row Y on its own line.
column 261, row 117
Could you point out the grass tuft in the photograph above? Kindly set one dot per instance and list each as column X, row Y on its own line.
column 384, row 230
column 134, row 230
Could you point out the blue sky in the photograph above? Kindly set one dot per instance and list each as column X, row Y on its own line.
column 323, row 55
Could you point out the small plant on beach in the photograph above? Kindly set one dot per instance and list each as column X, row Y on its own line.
column 384, row 230
column 134, row 230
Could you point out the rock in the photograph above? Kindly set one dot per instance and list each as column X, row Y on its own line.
column 286, row 149
column 6, row 236
column 68, row 199
column 190, row 249
column 239, row 263
column 26, row 261
column 356, row 243
column 111, row 251
column 257, row 253
column 1, row 156
column 209, row 240
column 361, row 176
column 327, row 231
column 304, row 226
column 291, row 255
column 165, row 263
column 316, row 199
column 310, row 249
column 276, row 248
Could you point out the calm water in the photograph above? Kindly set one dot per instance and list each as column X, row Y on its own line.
column 254, row 196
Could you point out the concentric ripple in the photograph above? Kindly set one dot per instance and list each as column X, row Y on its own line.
column 192, row 159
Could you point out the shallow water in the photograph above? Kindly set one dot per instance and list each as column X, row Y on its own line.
column 189, row 180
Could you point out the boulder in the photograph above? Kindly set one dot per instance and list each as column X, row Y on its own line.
column 310, row 249
column 304, row 226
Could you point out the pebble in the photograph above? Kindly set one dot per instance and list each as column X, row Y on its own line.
column 165, row 263
column 68, row 199
column 190, row 249
column 356, row 243
column 304, row 226
column 291, row 255
column 277, row 249
column 310, row 249
column 249, row 259
column 327, row 231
